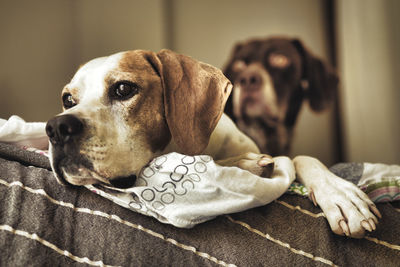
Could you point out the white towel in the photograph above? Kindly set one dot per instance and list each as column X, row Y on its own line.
column 187, row 190
column 30, row 134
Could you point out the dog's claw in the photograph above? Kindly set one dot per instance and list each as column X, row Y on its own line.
column 372, row 223
column 265, row 160
column 268, row 165
column 312, row 197
column 375, row 211
column 366, row 225
column 345, row 227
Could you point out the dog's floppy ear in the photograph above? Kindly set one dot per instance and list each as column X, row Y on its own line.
column 194, row 98
column 319, row 78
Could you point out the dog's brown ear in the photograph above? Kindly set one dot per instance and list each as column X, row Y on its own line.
column 319, row 78
column 194, row 98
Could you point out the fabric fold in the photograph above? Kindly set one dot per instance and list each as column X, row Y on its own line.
column 186, row 190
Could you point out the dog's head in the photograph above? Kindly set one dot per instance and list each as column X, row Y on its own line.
column 121, row 111
column 271, row 78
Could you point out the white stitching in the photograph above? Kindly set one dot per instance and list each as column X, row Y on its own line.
column 383, row 243
column 316, row 215
column 283, row 244
column 118, row 219
column 46, row 243
column 287, row 205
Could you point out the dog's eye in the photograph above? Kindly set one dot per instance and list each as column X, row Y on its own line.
column 68, row 101
column 124, row 90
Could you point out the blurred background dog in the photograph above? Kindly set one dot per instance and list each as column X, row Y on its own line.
column 272, row 77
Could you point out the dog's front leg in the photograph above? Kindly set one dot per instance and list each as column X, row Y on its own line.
column 348, row 209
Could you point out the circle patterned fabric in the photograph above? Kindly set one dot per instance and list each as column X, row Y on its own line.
column 186, row 190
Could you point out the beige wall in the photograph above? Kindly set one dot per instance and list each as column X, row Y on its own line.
column 44, row 41
column 36, row 56
column 369, row 57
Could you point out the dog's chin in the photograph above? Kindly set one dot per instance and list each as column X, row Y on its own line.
column 82, row 176
column 254, row 110
column 78, row 170
column 73, row 170
column 257, row 111
column 85, row 176
column 75, row 174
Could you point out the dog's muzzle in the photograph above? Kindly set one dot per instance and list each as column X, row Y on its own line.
column 61, row 130
column 69, row 166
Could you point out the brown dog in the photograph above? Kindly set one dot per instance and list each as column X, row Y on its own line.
column 123, row 110
column 271, row 78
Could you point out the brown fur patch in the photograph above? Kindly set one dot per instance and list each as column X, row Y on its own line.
column 194, row 97
column 147, row 113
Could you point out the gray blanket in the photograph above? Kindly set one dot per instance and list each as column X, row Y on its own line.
column 45, row 224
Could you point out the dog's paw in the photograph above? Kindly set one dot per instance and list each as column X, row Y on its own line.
column 348, row 209
column 258, row 164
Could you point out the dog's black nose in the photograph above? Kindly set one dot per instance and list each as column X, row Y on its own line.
column 250, row 81
column 62, row 129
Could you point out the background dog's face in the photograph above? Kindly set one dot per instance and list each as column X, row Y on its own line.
column 271, row 78
column 121, row 110
column 264, row 74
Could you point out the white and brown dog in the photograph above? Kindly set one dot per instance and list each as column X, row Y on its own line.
column 123, row 110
